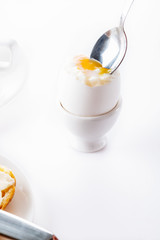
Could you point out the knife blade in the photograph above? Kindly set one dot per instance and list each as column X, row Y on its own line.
column 17, row 228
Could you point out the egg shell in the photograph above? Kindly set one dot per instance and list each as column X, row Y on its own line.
column 83, row 100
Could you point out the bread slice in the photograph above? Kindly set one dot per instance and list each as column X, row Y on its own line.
column 7, row 186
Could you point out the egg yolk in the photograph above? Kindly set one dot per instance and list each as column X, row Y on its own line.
column 91, row 64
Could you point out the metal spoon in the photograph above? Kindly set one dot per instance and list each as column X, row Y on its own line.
column 111, row 47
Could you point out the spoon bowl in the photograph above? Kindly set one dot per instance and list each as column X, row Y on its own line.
column 111, row 47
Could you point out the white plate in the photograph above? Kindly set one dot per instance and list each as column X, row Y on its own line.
column 22, row 202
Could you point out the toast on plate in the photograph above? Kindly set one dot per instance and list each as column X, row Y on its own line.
column 7, row 186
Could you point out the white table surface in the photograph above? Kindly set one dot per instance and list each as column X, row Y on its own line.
column 113, row 194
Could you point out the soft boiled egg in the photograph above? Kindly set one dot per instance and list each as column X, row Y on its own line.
column 87, row 88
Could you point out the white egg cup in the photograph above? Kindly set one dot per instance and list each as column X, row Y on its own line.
column 88, row 134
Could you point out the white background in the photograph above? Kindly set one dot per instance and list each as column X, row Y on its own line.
column 113, row 194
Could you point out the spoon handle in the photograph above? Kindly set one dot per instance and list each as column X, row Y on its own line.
column 125, row 12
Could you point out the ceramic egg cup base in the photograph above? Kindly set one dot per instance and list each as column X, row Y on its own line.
column 88, row 134
column 81, row 145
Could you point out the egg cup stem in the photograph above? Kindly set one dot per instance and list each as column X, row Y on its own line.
column 88, row 146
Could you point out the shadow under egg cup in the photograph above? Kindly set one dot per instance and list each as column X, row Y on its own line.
column 88, row 134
